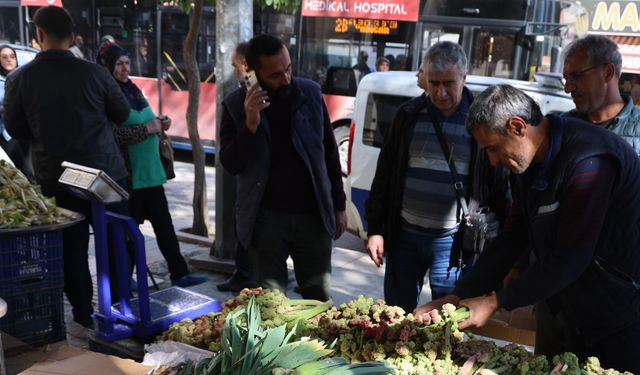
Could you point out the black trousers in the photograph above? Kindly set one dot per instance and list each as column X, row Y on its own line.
column 78, row 285
column 151, row 204
column 279, row 235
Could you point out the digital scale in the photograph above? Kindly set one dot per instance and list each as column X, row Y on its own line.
column 149, row 313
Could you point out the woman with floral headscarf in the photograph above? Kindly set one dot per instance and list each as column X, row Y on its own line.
column 138, row 137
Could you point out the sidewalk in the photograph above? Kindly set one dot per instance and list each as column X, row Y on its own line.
column 353, row 272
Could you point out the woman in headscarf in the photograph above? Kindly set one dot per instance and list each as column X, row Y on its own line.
column 139, row 141
column 18, row 151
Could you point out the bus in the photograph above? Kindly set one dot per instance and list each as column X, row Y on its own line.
column 505, row 39
column 333, row 42
column 154, row 35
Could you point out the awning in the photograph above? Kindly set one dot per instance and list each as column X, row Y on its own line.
column 40, row 3
column 629, row 47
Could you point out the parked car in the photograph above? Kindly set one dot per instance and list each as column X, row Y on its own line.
column 378, row 97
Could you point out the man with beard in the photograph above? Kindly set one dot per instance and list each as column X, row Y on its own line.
column 592, row 69
column 578, row 211
column 277, row 138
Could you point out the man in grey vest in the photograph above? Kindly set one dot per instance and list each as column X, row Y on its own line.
column 277, row 138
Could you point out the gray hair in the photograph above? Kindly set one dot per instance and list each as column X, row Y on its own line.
column 444, row 55
column 497, row 104
column 600, row 50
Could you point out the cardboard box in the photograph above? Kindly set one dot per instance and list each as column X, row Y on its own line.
column 73, row 361
column 516, row 326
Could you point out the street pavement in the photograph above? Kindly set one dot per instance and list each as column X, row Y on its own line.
column 353, row 273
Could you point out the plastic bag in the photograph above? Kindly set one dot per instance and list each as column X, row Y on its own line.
column 171, row 354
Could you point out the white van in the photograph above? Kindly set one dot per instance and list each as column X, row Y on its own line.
column 378, row 97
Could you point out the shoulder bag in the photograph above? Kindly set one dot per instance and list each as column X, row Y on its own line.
column 477, row 225
column 166, row 155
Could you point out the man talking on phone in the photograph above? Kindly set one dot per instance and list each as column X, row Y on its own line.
column 277, row 138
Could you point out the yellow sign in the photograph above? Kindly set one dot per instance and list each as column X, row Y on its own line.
column 616, row 17
column 366, row 26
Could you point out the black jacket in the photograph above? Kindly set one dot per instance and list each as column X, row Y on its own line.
column 63, row 105
column 589, row 281
column 489, row 186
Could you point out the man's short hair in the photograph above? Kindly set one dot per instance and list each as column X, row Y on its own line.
column 600, row 50
column 262, row 45
column 445, row 55
column 497, row 104
column 382, row 60
column 241, row 50
column 55, row 21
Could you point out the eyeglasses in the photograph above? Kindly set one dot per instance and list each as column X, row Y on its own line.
column 574, row 77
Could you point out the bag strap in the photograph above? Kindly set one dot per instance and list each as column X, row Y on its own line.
column 458, row 185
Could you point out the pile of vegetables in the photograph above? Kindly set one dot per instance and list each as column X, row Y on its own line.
column 364, row 331
column 22, row 205
column 275, row 310
column 247, row 348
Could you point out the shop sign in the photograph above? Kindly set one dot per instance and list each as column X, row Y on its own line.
column 399, row 10
column 613, row 17
column 40, row 3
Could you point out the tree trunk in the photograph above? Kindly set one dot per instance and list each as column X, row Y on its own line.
column 200, row 224
column 234, row 23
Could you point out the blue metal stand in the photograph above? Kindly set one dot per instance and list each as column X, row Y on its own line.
column 149, row 314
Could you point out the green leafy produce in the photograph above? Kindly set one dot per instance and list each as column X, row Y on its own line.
column 362, row 331
column 275, row 310
column 248, row 349
column 22, row 205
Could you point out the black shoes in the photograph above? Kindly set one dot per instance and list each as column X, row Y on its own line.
column 85, row 321
column 189, row 280
column 236, row 283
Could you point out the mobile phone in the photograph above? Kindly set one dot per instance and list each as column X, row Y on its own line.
column 250, row 79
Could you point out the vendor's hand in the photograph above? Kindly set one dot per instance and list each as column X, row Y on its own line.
column 480, row 310
column 255, row 101
column 165, row 121
column 154, row 126
column 375, row 246
column 341, row 223
column 436, row 304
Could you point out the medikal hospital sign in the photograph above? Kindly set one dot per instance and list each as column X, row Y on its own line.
column 41, row 3
column 399, row 10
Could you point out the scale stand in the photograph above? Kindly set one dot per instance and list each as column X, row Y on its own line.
column 149, row 313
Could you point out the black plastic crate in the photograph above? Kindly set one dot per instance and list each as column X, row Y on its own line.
column 36, row 318
column 29, row 261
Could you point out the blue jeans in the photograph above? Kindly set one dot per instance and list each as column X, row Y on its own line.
column 408, row 263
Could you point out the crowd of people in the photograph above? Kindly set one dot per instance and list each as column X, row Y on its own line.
column 563, row 186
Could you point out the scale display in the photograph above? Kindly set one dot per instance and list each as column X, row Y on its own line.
column 91, row 183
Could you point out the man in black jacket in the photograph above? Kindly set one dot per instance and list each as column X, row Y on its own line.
column 64, row 106
column 412, row 209
column 276, row 138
